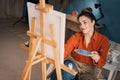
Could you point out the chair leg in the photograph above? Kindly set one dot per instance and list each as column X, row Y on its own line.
column 99, row 72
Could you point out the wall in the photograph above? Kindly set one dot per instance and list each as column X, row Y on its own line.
column 11, row 8
column 111, row 19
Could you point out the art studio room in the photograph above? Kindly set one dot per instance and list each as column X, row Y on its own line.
column 59, row 40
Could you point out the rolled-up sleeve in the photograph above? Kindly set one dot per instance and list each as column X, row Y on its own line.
column 103, row 52
column 70, row 44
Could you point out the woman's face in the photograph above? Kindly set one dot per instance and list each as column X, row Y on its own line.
column 86, row 25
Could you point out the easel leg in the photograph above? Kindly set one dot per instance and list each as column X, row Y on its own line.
column 30, row 59
column 56, row 57
column 29, row 74
column 43, row 70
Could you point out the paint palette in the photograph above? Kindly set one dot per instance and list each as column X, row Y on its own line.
column 83, row 52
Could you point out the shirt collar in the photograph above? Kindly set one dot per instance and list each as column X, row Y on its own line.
column 94, row 36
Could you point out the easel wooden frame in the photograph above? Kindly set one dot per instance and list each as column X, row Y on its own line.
column 35, row 40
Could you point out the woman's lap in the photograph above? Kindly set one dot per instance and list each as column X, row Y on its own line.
column 66, row 75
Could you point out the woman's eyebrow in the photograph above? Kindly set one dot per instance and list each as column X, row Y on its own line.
column 84, row 21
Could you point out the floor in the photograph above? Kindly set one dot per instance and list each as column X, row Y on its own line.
column 12, row 56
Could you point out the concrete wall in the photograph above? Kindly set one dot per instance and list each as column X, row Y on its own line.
column 112, row 19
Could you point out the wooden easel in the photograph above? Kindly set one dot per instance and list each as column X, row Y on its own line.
column 35, row 40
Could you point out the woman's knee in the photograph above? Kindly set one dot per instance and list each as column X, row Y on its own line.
column 65, row 75
column 70, row 64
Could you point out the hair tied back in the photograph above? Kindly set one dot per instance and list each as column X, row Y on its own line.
column 87, row 10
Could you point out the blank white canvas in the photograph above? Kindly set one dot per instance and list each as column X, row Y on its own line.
column 53, row 17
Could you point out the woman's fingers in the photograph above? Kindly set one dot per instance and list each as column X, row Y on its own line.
column 95, row 56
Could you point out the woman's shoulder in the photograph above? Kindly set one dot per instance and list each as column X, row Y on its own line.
column 76, row 35
column 101, row 36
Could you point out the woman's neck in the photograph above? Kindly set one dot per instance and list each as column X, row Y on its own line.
column 88, row 37
column 89, row 34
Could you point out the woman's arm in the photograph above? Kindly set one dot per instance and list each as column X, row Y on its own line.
column 70, row 44
column 99, row 58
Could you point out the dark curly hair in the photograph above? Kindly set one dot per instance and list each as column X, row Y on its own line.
column 88, row 13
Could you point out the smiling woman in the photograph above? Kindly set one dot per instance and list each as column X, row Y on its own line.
column 90, row 40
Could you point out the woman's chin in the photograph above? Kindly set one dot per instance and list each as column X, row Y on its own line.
column 84, row 32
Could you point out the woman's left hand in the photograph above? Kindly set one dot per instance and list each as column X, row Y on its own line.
column 95, row 56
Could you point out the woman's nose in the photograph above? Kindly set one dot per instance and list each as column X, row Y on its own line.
column 82, row 26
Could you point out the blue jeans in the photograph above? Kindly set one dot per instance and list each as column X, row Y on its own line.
column 66, row 75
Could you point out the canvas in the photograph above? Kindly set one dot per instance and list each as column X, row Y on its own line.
column 53, row 17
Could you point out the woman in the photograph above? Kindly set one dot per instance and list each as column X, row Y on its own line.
column 90, row 40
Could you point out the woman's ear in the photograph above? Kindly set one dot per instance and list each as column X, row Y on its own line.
column 93, row 22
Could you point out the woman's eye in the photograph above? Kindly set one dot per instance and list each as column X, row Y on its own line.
column 85, row 22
